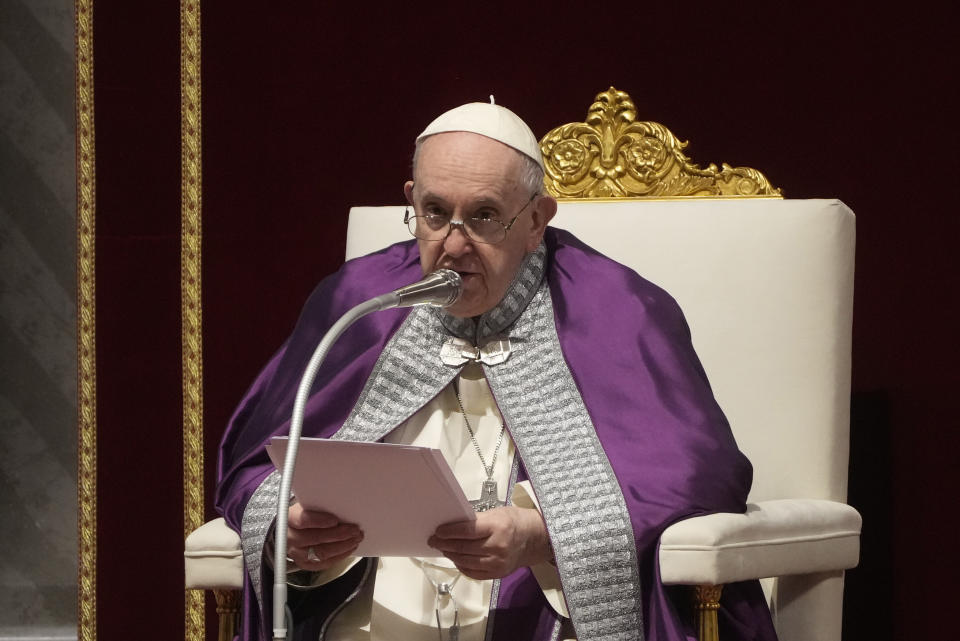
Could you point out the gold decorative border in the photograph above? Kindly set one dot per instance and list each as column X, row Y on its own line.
column 190, row 294
column 86, row 329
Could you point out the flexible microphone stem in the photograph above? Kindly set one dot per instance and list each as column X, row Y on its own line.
column 441, row 289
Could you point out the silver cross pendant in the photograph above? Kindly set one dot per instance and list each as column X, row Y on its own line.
column 488, row 497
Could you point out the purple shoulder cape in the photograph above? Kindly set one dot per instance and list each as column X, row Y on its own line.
column 629, row 350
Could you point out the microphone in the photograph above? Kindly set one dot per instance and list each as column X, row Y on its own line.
column 441, row 288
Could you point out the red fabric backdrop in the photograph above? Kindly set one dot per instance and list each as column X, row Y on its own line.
column 139, row 484
column 312, row 109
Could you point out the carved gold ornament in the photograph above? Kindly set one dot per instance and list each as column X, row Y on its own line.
column 612, row 155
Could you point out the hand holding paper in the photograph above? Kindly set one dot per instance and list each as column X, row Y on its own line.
column 497, row 543
column 397, row 495
column 321, row 533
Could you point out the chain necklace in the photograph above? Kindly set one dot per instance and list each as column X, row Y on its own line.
column 489, row 498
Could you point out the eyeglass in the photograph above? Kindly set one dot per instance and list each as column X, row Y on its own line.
column 482, row 230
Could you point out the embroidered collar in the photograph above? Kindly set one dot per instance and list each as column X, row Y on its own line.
column 525, row 284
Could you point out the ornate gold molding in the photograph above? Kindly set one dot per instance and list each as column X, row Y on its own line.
column 613, row 155
column 86, row 328
column 190, row 294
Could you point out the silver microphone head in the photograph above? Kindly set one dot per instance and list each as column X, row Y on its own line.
column 441, row 288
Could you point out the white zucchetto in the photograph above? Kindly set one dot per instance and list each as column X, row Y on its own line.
column 492, row 121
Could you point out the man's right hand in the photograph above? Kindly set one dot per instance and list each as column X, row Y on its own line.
column 318, row 540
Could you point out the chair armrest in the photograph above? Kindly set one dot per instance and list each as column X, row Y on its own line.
column 772, row 538
column 212, row 557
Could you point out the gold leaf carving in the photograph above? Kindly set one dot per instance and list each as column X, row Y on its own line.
column 613, row 155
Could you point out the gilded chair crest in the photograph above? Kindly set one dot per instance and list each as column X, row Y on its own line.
column 613, row 155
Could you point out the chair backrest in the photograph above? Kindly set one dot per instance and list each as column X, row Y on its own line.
column 767, row 288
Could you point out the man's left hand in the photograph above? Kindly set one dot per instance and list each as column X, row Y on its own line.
column 497, row 543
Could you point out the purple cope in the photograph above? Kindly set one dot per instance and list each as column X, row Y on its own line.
column 629, row 350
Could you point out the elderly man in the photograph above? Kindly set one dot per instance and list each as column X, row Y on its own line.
column 581, row 429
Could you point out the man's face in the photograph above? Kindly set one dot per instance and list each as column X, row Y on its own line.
column 463, row 175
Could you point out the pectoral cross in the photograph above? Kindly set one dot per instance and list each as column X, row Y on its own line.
column 488, row 497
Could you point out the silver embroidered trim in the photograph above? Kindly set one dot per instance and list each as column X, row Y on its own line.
column 495, row 587
column 519, row 294
column 582, row 503
column 255, row 525
column 407, row 375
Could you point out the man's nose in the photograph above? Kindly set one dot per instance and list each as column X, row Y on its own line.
column 457, row 242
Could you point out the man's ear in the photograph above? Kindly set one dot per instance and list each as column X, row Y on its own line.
column 543, row 212
column 408, row 191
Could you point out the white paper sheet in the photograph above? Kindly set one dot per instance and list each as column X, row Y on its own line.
column 397, row 494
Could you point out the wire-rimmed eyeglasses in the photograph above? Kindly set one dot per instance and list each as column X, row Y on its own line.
column 478, row 228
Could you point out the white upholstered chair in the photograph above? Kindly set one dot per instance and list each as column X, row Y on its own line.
column 766, row 285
